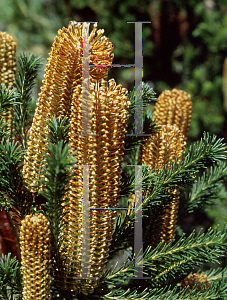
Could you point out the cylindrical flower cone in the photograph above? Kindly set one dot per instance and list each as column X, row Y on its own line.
column 100, row 154
column 7, row 59
column 172, row 112
column 162, row 147
column 173, row 108
column 7, row 67
column 35, row 257
column 158, row 151
column 64, row 71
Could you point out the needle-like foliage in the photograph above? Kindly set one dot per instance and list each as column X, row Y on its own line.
column 60, row 163
column 10, row 278
column 12, row 193
column 8, row 98
column 27, row 69
column 207, row 187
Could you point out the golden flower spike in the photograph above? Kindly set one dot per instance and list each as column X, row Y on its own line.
column 196, row 279
column 64, row 71
column 102, row 151
column 172, row 112
column 7, row 67
column 174, row 108
column 7, row 59
column 162, row 146
column 35, row 257
column 158, row 151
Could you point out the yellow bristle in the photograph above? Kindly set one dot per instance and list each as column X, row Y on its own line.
column 7, row 59
column 64, row 71
column 174, row 108
column 102, row 150
column 7, row 68
column 157, row 151
column 162, row 147
column 35, row 257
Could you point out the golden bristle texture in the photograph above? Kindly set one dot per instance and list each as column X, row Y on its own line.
column 7, row 59
column 64, row 71
column 173, row 108
column 7, row 67
column 196, row 279
column 102, row 150
column 162, row 147
column 35, row 257
column 158, row 151
column 172, row 112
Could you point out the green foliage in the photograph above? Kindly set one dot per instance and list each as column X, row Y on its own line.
column 58, row 129
column 12, row 193
column 10, row 278
column 207, row 188
column 199, row 59
column 204, row 115
column 60, row 163
column 200, row 155
column 4, row 130
column 190, row 252
column 217, row 210
column 8, row 101
column 145, row 95
column 214, row 293
column 177, row 259
column 8, row 97
column 27, row 69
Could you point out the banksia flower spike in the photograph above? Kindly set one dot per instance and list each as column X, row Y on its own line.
column 174, row 108
column 64, row 71
column 196, row 279
column 35, row 257
column 7, row 67
column 7, row 59
column 102, row 151
column 158, row 151
column 162, row 147
column 172, row 112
